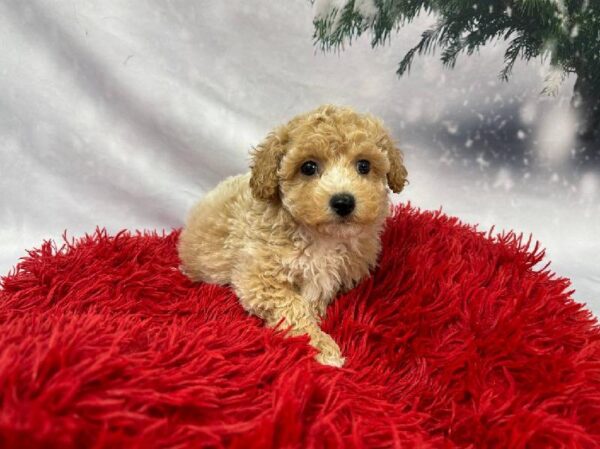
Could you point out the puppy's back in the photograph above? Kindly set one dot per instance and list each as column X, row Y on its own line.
column 206, row 247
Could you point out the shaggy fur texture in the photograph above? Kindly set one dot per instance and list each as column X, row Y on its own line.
column 273, row 235
column 455, row 341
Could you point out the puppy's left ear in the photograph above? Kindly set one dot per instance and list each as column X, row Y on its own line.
column 264, row 180
column 397, row 175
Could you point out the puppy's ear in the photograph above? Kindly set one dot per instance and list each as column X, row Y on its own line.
column 264, row 181
column 397, row 175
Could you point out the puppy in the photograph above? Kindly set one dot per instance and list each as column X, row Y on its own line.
column 303, row 225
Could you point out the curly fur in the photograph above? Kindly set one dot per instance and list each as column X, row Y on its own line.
column 272, row 235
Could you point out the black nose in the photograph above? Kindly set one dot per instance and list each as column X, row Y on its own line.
column 342, row 203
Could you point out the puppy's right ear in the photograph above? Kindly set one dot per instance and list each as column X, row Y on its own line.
column 264, row 181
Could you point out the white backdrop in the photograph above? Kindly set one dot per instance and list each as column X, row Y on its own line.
column 121, row 113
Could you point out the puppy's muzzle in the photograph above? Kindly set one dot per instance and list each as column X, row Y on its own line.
column 342, row 204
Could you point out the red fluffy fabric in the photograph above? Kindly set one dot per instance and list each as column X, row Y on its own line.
column 458, row 340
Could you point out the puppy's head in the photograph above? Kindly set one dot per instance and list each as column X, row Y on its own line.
column 330, row 169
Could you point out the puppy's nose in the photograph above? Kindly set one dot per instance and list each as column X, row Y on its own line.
column 342, row 204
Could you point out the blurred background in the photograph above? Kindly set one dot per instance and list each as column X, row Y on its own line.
column 122, row 114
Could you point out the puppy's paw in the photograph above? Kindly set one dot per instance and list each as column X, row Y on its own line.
column 329, row 351
column 336, row 361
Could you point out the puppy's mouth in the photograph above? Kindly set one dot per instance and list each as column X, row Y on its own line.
column 345, row 221
column 345, row 227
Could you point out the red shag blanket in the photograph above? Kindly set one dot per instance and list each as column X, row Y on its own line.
column 458, row 340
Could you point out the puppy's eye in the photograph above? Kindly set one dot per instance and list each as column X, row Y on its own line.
column 363, row 166
column 309, row 168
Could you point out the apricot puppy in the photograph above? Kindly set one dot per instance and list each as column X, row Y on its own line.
column 303, row 225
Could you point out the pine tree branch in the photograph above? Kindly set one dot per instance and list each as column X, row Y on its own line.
column 426, row 44
column 566, row 32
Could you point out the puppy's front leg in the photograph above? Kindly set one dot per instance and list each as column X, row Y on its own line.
column 275, row 300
